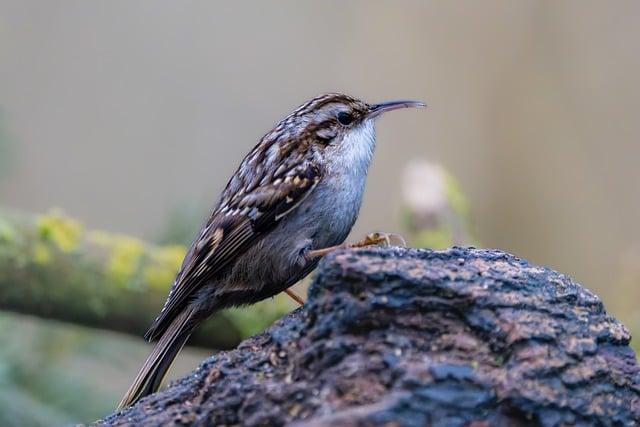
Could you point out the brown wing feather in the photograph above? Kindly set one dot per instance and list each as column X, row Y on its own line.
column 233, row 227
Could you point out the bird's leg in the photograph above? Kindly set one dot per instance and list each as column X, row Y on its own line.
column 294, row 296
column 384, row 239
column 372, row 239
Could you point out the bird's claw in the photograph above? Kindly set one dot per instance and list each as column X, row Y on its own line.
column 381, row 239
column 373, row 239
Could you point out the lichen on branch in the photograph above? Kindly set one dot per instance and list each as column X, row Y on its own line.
column 52, row 266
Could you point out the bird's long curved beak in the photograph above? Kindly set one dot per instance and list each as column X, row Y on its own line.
column 377, row 109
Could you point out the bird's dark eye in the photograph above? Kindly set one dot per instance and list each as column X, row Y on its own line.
column 345, row 119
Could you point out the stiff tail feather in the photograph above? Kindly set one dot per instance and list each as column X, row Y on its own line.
column 152, row 373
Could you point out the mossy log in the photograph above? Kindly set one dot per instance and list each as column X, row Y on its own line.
column 52, row 267
column 414, row 338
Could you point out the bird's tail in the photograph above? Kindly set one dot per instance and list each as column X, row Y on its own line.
column 158, row 362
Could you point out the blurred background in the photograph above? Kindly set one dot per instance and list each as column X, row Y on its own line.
column 121, row 121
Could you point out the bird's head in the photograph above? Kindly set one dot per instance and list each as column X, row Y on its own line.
column 331, row 118
column 339, row 125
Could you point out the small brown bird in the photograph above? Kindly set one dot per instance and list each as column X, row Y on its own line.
column 294, row 198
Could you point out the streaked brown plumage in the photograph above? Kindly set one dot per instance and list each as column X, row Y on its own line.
column 298, row 191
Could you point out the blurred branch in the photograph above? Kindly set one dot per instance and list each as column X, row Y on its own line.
column 51, row 267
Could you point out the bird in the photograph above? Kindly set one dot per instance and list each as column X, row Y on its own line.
column 293, row 199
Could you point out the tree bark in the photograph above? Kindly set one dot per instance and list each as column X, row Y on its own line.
column 417, row 337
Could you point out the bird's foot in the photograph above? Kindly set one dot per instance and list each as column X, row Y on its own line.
column 380, row 239
column 373, row 239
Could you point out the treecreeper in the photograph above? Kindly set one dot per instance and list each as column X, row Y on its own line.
column 293, row 199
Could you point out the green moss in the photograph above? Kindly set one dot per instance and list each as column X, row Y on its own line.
column 163, row 265
column 124, row 260
column 62, row 231
column 51, row 266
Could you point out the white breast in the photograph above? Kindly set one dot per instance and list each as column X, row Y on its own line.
column 354, row 152
column 337, row 200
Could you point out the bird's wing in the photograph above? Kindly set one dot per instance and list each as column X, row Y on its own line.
column 232, row 229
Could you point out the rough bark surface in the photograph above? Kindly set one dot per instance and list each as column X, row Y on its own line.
column 417, row 337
